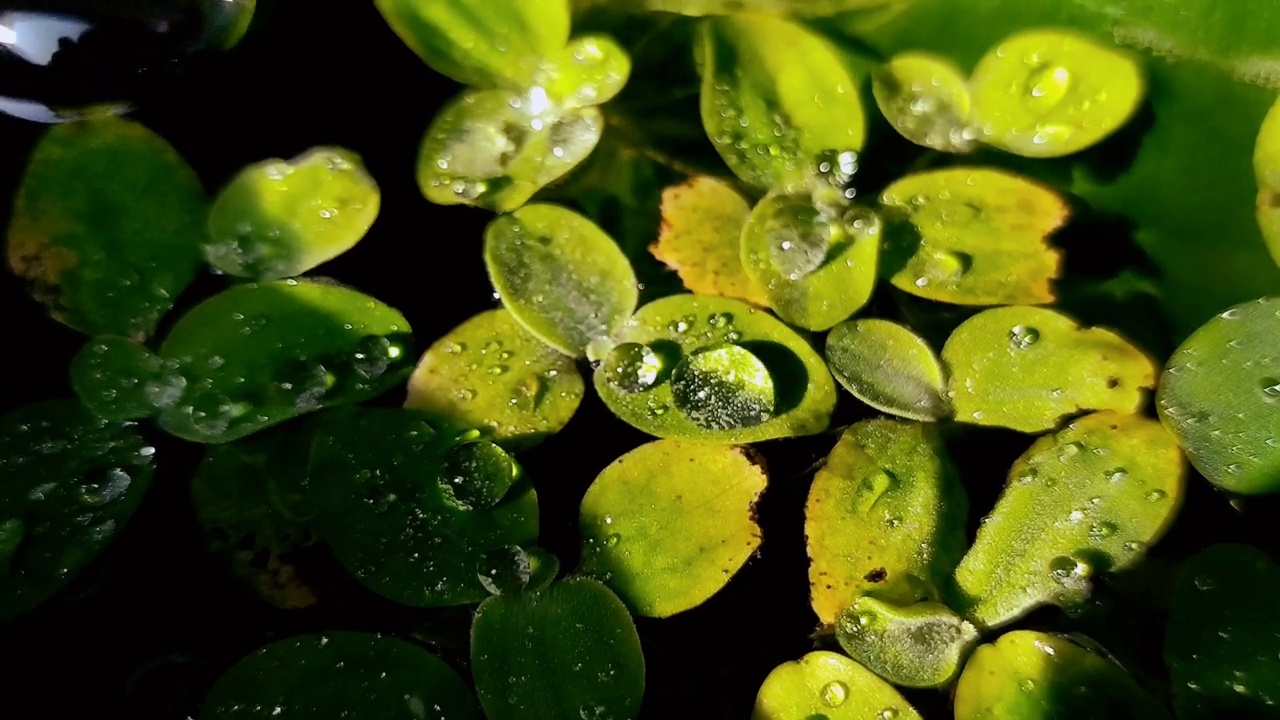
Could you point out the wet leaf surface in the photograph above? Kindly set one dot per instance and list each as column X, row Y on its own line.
column 926, row 100
column 827, row 685
column 888, row 367
column 922, row 645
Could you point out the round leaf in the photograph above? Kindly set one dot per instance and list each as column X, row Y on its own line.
column 1035, row 676
column 1049, row 93
column 410, row 511
column 349, row 675
column 68, row 481
column 816, row 266
column 120, row 379
column 569, row 651
column 591, row 71
column 776, row 98
column 1266, row 165
column 826, row 685
column 1220, row 395
column 561, row 276
column 1026, row 368
column 888, row 367
column 107, row 226
column 1222, row 642
column 498, row 44
column 921, row 645
column 278, row 218
column 926, row 99
column 490, row 373
column 1089, row 499
column 885, row 517
column 669, row 523
column 701, row 239
column 972, row 237
column 259, row 354
column 665, row 332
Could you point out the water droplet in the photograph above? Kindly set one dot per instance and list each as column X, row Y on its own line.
column 1117, row 475
column 948, row 265
column 476, row 475
column 632, row 367
column 1271, row 389
column 497, row 369
column 1070, row 573
column 1134, row 546
column 110, row 485
column 835, row 693
column 1028, row 476
column 1027, row 685
column 889, row 713
column 1231, row 314
column 1068, row 451
column 720, row 320
column 1101, row 531
column 1022, row 337
column 612, row 539
column 797, row 235
column 1047, row 85
column 871, row 489
column 504, row 570
column 1203, row 582
column 1156, row 496
column 723, row 388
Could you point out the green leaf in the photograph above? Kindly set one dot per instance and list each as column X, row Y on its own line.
column 888, row 367
column 1028, row 675
column 492, row 374
column 1220, row 396
column 885, row 517
column 259, row 354
column 355, row 676
column 1049, row 93
column 591, row 71
column 973, row 236
column 227, row 22
column 495, row 148
column 806, row 8
column 921, row 645
column 68, row 481
column 816, row 265
column 669, row 523
column 251, row 501
column 576, row 655
column 1266, row 165
column 701, row 239
column 926, row 100
column 1222, row 642
column 826, row 685
column 279, row 218
column 1087, row 500
column 776, row 98
column 120, row 379
column 107, row 226
column 501, row 43
column 561, row 276
column 1026, row 368
column 412, row 510
column 636, row 380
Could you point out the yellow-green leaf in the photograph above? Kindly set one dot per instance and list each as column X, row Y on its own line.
column 826, row 685
column 926, row 100
column 888, row 367
column 1266, row 165
column 921, row 645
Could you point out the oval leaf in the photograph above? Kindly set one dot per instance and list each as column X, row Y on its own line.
column 972, row 237
column 1049, row 93
column 669, row 523
column 921, row 645
column 410, row 510
column 107, row 226
column 926, row 100
column 499, row 44
column 490, row 373
column 120, row 379
column 1026, row 368
column 1266, row 165
column 259, row 354
column 356, row 676
column 826, row 685
column 776, row 98
column 1222, row 642
column 1089, row 499
column 816, row 265
column 561, row 276
column 68, row 481
column 888, row 367
column 701, row 239
column 636, row 379
column 278, row 218
column 1031, row 676
column 578, row 655
column 591, row 71
column 1220, row 395
column 885, row 517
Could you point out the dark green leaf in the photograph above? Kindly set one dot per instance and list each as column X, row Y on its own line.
column 120, row 379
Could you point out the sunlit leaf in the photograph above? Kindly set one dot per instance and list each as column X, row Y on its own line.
column 591, row 71
column 1266, row 165
column 919, row 645
column 926, row 100
column 558, row 273
column 888, row 367
column 1084, row 501
column 810, row 8
column 826, row 685
column 885, row 517
column 279, row 218
column 636, row 380
column 669, row 523
column 569, row 651
column 1026, row 368
column 107, row 226
column 973, row 237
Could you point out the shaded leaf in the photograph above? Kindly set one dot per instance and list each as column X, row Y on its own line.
column 575, row 654
column 1266, row 166
column 885, row 517
column 826, row 685
column 1026, row 368
column 926, row 100
column 107, row 226
column 120, row 379
column 669, row 523
column 921, row 645
column 1087, row 500
column 973, row 237
column 888, row 367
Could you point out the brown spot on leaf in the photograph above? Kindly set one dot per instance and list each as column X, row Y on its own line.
column 877, row 575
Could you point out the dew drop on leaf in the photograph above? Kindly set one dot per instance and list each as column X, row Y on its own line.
column 723, row 388
column 477, row 475
column 632, row 367
column 504, row 570
column 835, row 693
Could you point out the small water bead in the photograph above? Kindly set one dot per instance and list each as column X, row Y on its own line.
column 632, row 367
column 1271, row 389
column 1027, row 685
column 1102, row 531
column 1047, row 86
column 944, row 265
column 505, row 570
column 1070, row 573
column 1203, row 582
column 1156, row 496
column 1022, row 337
column 1068, row 451
column 835, row 693
column 111, row 485
column 1117, row 475
column 889, row 713
column 723, row 388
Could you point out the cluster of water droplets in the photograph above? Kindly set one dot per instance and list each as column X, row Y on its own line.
column 924, row 112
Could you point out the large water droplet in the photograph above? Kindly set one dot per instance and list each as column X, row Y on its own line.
column 871, row 489
column 798, row 237
column 109, row 485
column 632, row 367
column 1047, row 85
column 723, row 388
column 476, row 475
column 1071, row 573
column 505, row 570
column 1022, row 337
column 1270, row 389
column 835, row 693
